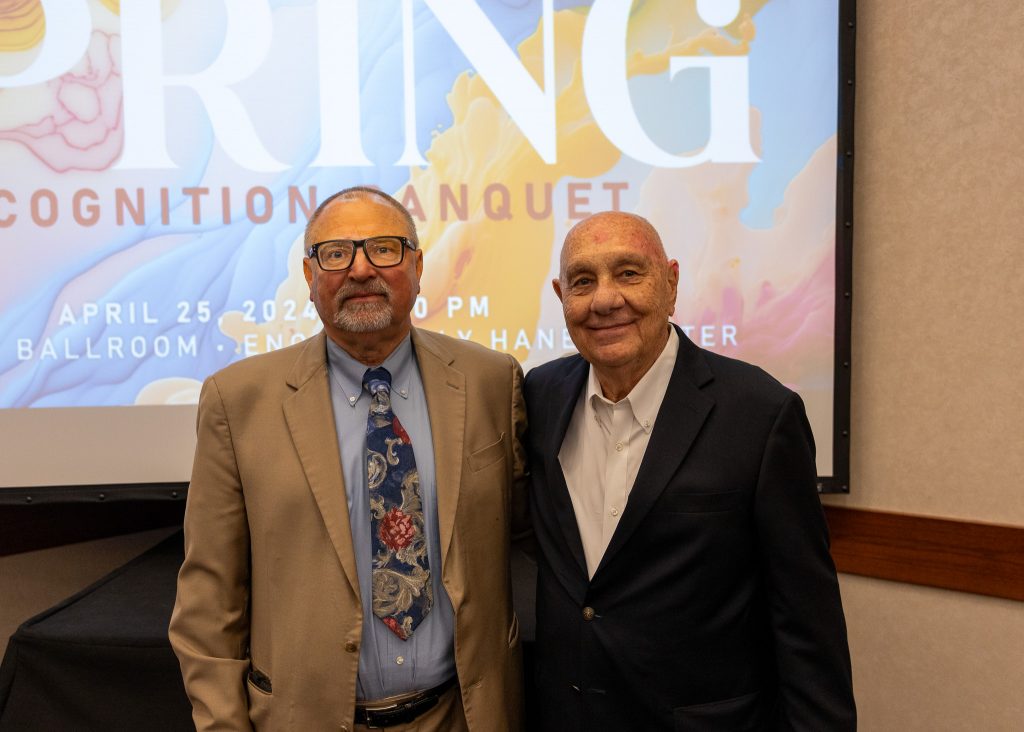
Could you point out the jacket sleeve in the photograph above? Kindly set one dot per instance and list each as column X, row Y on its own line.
column 811, row 651
column 209, row 628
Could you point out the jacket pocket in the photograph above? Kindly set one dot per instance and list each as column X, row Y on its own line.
column 260, row 693
column 488, row 455
column 260, row 681
column 738, row 714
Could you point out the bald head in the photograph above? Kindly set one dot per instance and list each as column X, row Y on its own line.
column 609, row 226
column 618, row 291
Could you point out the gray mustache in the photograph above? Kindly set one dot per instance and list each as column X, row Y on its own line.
column 375, row 287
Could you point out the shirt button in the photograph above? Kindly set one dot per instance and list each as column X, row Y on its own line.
column 351, row 400
column 343, row 728
column 615, row 512
column 618, row 446
column 351, row 647
column 647, row 423
column 588, row 613
column 400, row 660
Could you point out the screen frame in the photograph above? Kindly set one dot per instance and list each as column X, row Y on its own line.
column 838, row 482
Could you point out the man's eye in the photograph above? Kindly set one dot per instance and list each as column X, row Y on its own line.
column 581, row 282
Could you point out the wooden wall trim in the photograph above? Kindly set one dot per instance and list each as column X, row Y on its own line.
column 968, row 556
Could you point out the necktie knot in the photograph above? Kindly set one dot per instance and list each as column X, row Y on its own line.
column 376, row 379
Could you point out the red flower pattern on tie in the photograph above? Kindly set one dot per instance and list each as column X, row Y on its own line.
column 396, row 529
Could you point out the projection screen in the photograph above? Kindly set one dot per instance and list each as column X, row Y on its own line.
column 159, row 161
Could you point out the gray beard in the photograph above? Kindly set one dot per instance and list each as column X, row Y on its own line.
column 364, row 317
column 367, row 317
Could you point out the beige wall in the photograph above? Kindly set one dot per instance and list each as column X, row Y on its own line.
column 938, row 331
column 928, row 660
column 938, row 339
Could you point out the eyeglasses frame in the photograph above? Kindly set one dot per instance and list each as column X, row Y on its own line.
column 357, row 244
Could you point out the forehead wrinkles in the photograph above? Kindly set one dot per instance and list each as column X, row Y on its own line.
column 358, row 218
column 589, row 240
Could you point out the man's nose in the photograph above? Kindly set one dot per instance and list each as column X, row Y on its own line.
column 607, row 297
column 361, row 268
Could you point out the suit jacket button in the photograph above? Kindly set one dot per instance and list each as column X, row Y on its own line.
column 351, row 647
column 588, row 613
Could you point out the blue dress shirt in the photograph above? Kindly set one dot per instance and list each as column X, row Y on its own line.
column 387, row 664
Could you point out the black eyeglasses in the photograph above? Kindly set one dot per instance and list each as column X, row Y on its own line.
column 381, row 251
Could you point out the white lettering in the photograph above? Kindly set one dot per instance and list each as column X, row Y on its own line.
column 341, row 142
column 478, row 306
column 67, row 315
column 411, row 154
column 530, row 107
column 718, row 12
column 246, row 44
column 606, row 87
column 419, row 310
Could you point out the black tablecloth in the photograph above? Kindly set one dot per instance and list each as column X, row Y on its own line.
column 101, row 660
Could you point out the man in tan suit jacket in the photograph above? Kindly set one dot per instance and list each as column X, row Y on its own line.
column 270, row 621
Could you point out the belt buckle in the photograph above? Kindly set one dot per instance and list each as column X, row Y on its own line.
column 401, row 713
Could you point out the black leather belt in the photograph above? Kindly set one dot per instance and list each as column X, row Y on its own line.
column 400, row 709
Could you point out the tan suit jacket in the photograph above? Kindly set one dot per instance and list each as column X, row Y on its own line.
column 269, row 581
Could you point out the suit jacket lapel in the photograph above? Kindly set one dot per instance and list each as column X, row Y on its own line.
column 680, row 418
column 445, row 389
column 310, row 419
column 561, row 405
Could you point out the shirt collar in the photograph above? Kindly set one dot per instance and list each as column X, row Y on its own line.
column 348, row 372
column 645, row 398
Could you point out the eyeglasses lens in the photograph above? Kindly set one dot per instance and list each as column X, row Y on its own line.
column 382, row 251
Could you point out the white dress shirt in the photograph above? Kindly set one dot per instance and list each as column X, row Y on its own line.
column 603, row 449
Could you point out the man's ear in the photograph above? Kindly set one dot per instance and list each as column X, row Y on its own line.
column 307, row 270
column 673, row 283
column 557, row 286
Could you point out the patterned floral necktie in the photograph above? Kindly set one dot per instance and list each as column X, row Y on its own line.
column 402, row 593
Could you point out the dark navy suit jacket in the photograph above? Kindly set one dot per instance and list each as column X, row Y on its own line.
column 716, row 605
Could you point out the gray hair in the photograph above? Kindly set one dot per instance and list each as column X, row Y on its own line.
column 357, row 192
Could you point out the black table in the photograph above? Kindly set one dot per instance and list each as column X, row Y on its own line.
column 100, row 660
